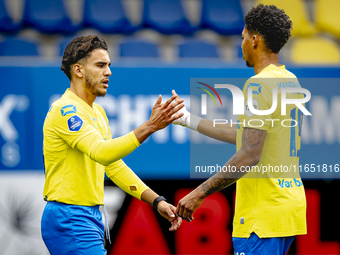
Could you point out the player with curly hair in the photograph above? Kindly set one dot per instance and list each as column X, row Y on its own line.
column 79, row 150
column 270, row 208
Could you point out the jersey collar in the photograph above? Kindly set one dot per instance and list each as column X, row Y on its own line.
column 271, row 66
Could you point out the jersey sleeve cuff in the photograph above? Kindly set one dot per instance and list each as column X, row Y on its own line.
column 134, row 139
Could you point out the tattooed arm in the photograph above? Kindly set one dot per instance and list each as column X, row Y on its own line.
column 248, row 155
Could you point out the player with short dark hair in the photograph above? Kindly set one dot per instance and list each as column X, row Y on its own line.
column 79, row 150
column 270, row 208
column 271, row 23
column 80, row 49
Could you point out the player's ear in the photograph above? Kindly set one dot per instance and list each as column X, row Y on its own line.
column 255, row 40
column 78, row 70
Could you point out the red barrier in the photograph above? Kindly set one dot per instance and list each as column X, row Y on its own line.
column 140, row 232
column 311, row 243
column 208, row 233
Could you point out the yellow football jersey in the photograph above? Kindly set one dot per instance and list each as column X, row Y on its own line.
column 71, row 130
column 270, row 200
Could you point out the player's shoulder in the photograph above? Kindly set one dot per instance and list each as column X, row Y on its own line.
column 274, row 72
column 272, row 76
column 257, row 84
column 64, row 108
column 288, row 74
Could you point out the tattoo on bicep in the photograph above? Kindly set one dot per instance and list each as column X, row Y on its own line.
column 251, row 138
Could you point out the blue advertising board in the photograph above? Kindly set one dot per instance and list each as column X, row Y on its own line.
column 27, row 92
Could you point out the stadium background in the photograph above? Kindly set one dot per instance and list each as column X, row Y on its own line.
column 156, row 46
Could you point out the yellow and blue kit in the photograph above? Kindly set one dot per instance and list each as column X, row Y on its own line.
column 78, row 150
column 271, row 203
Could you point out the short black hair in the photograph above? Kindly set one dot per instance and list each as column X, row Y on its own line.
column 270, row 22
column 80, row 48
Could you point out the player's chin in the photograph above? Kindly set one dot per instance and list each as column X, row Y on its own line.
column 248, row 64
column 101, row 92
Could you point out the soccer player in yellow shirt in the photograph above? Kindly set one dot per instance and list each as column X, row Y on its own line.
column 79, row 150
column 270, row 208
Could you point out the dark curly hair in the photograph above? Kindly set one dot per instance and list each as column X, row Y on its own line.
column 80, row 48
column 271, row 23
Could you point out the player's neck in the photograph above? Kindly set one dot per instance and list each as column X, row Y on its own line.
column 265, row 60
column 82, row 93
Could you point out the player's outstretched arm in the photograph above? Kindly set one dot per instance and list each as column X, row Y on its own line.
column 248, row 155
column 168, row 211
column 224, row 133
column 106, row 152
column 128, row 181
column 162, row 115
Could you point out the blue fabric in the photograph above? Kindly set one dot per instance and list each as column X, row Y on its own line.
column 63, row 44
column 108, row 16
column 18, row 47
column 224, row 17
column 6, row 22
column 72, row 229
column 198, row 49
column 166, row 16
column 48, row 16
column 137, row 48
column 259, row 246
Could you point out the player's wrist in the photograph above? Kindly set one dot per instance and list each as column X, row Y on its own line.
column 158, row 201
column 161, row 205
column 193, row 121
column 188, row 120
column 150, row 127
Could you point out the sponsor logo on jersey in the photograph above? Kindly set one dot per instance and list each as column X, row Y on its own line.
column 289, row 183
column 74, row 123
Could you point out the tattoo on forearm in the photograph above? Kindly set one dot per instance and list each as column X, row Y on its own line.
column 251, row 139
column 221, row 179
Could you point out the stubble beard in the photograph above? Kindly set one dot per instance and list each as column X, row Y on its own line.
column 93, row 87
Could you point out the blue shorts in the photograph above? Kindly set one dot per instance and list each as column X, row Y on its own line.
column 259, row 246
column 72, row 229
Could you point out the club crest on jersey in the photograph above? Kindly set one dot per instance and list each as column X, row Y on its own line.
column 74, row 123
column 68, row 109
column 256, row 87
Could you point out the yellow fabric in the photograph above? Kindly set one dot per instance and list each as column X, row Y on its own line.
column 297, row 11
column 77, row 142
column 315, row 50
column 264, row 203
column 126, row 179
column 106, row 151
column 327, row 16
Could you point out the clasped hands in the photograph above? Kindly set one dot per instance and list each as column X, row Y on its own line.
column 188, row 204
column 185, row 209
